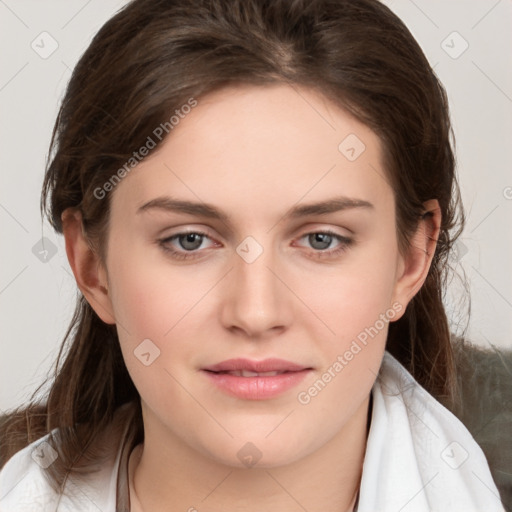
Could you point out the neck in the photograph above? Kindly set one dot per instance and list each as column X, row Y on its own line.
column 327, row 479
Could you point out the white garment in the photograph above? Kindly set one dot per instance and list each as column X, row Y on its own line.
column 419, row 458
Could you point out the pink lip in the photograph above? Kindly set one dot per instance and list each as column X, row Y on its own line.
column 267, row 365
column 257, row 387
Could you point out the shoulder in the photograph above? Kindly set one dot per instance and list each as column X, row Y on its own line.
column 23, row 483
column 431, row 424
column 485, row 406
column 419, row 455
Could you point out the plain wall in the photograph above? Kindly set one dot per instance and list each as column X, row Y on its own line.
column 37, row 297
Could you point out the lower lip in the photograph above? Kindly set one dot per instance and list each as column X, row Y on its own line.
column 256, row 388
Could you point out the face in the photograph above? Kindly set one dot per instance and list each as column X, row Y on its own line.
column 256, row 273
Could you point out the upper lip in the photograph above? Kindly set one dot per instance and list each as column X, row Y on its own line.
column 266, row 365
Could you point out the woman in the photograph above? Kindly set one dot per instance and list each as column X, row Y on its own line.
column 258, row 201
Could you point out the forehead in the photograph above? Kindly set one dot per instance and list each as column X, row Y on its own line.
column 260, row 148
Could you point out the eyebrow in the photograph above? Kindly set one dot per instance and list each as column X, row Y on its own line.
column 332, row 205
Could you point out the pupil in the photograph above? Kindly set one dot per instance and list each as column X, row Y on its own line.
column 320, row 240
column 190, row 241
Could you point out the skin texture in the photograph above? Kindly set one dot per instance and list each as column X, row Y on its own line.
column 254, row 153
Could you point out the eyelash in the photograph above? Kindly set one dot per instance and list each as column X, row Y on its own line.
column 344, row 242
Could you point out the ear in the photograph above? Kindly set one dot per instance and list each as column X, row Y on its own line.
column 90, row 275
column 413, row 267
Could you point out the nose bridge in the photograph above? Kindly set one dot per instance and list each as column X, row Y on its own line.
column 257, row 301
column 255, row 276
column 255, row 281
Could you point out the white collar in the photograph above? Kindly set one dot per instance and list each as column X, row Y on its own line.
column 419, row 456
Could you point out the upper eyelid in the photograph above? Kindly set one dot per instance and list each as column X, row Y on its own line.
column 316, row 227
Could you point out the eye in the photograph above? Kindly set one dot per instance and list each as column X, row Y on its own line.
column 321, row 241
column 187, row 245
column 184, row 245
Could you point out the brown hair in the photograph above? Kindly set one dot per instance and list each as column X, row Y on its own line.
column 149, row 60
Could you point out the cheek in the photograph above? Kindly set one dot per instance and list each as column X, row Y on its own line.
column 148, row 298
column 354, row 304
column 154, row 301
column 355, row 311
column 354, row 295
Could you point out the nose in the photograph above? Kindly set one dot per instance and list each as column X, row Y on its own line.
column 256, row 302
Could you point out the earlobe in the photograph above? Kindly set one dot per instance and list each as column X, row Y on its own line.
column 414, row 266
column 87, row 268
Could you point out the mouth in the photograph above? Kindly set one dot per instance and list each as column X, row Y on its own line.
column 256, row 380
column 249, row 373
column 250, row 367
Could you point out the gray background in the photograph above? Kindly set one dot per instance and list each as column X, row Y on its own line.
column 37, row 297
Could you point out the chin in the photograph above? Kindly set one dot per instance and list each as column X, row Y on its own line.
column 258, row 453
